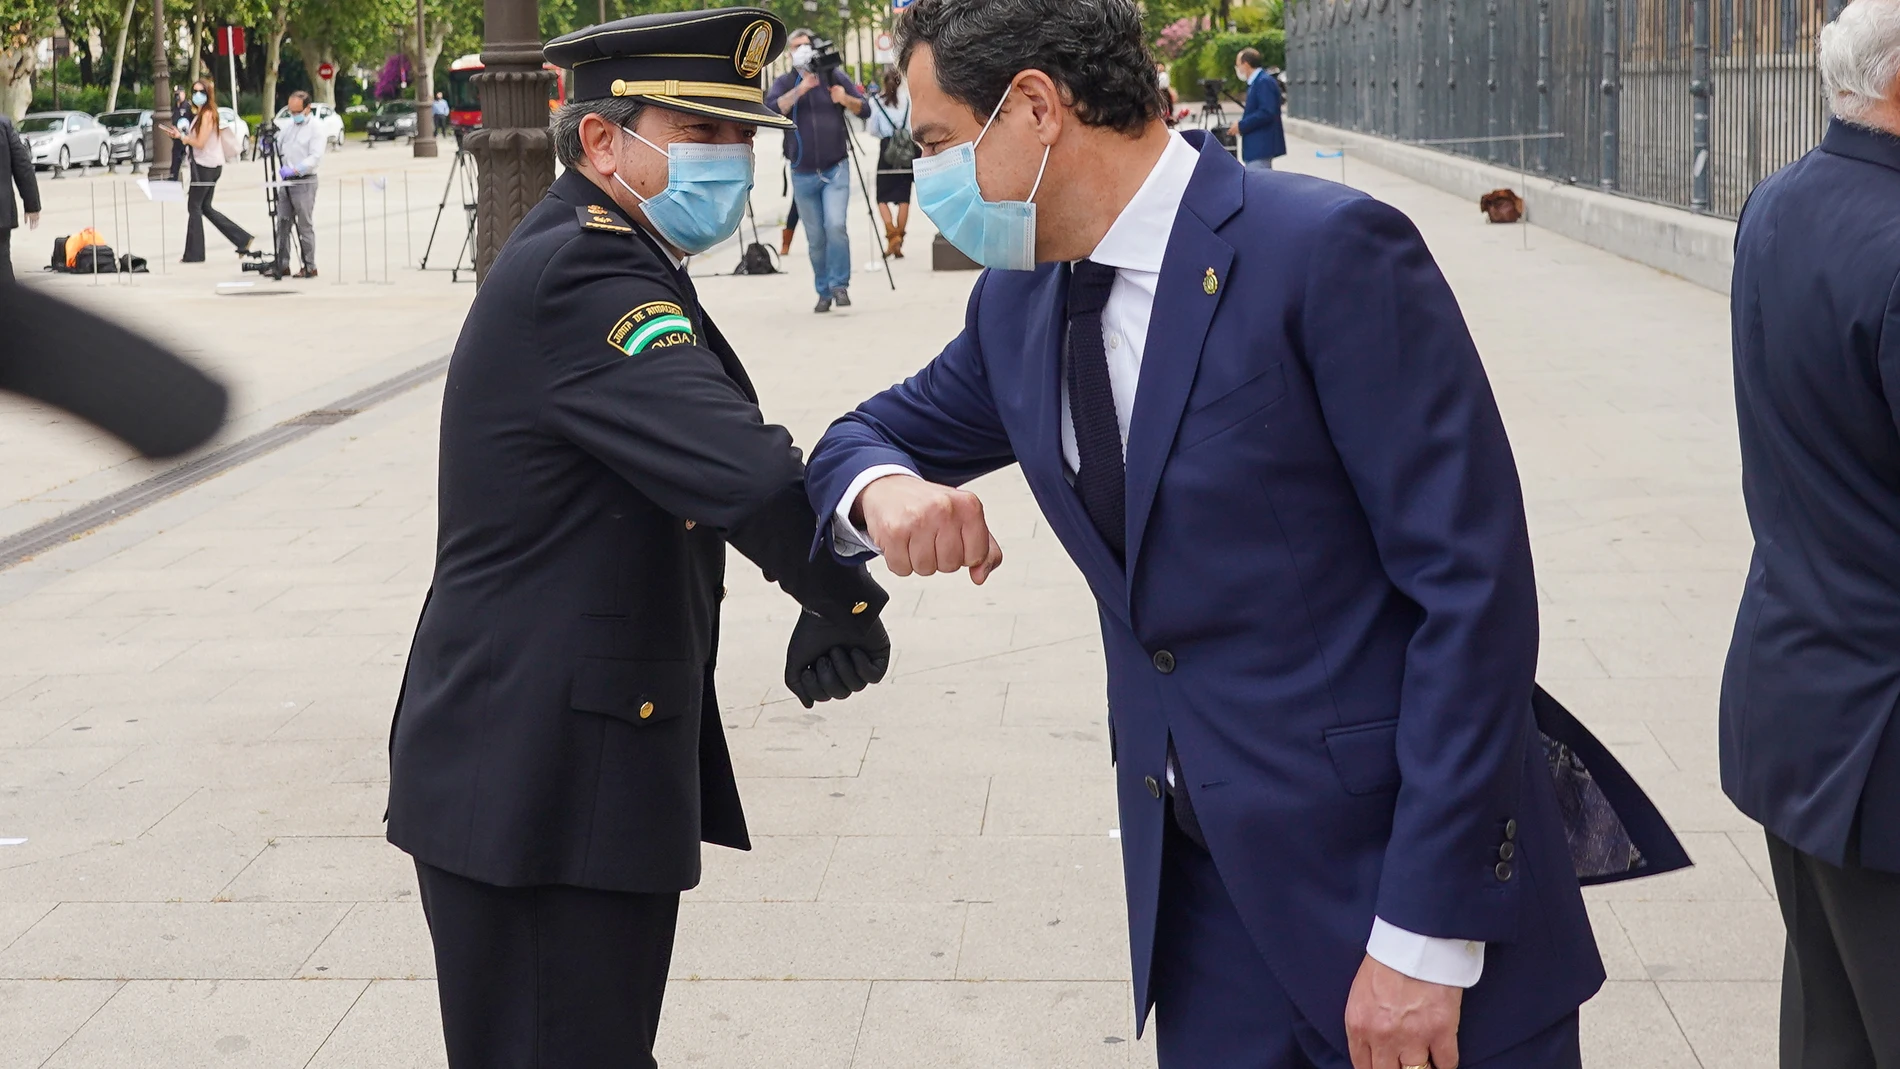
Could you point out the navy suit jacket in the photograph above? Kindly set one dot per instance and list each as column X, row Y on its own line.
column 1326, row 536
column 1809, row 739
column 1262, row 137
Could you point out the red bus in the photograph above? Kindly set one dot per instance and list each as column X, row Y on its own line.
column 465, row 108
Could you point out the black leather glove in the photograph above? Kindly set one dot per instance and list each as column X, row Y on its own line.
column 826, row 661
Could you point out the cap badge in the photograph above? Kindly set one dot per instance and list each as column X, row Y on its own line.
column 754, row 43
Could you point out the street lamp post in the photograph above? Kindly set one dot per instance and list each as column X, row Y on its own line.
column 514, row 151
column 161, row 96
column 425, row 90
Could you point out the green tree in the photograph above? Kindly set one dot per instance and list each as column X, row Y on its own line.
column 22, row 24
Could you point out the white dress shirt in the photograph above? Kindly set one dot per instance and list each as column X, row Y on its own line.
column 300, row 145
column 1134, row 246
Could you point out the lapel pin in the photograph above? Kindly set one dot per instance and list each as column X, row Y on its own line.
column 1211, row 283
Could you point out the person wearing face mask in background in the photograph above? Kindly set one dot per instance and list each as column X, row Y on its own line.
column 557, row 756
column 205, row 136
column 300, row 145
column 1248, row 406
column 821, row 167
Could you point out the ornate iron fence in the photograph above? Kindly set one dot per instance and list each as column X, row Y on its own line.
column 1684, row 102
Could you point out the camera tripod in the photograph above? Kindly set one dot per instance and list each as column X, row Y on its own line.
column 464, row 169
column 276, row 266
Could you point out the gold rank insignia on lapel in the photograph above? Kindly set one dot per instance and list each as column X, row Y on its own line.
column 655, row 325
column 1211, row 284
column 595, row 217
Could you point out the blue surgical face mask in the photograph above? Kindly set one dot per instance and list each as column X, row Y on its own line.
column 994, row 233
column 300, row 117
column 199, row 99
column 705, row 195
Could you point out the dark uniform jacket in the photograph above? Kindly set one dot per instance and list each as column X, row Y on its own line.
column 19, row 173
column 1810, row 742
column 601, row 445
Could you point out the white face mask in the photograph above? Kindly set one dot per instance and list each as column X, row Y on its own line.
column 801, row 56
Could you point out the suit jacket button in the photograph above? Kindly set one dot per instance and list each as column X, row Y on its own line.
column 1510, row 829
column 858, row 609
column 646, row 710
column 1507, row 851
column 1503, row 870
column 1154, row 787
column 1164, row 662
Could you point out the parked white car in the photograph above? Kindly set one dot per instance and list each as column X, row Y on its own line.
column 323, row 115
column 61, row 139
column 230, row 118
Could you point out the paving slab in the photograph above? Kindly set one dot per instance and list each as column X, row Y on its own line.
column 194, row 709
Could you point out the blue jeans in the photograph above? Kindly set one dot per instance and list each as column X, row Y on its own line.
column 823, row 199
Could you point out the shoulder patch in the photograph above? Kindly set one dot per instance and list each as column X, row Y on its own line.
column 595, row 217
column 655, row 325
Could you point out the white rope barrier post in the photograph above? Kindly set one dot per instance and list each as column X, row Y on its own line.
column 338, row 279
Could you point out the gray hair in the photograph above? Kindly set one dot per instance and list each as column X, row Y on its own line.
column 1860, row 57
column 566, row 125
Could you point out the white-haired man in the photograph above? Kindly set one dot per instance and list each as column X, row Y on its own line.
column 1810, row 743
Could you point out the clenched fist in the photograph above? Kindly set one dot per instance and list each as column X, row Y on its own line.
column 924, row 528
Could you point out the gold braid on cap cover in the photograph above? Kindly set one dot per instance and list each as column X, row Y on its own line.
column 675, row 88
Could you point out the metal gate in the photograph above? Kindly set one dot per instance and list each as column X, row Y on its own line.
column 1684, row 102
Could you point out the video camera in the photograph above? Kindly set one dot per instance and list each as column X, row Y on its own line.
column 1211, row 91
column 825, row 57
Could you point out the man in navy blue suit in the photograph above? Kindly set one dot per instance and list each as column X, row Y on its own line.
column 1249, row 407
column 1810, row 742
column 1262, row 136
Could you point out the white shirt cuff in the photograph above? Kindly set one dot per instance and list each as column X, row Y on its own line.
column 1452, row 962
column 846, row 539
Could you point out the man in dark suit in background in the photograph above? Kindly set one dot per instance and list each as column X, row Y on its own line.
column 1262, row 135
column 1810, row 742
column 1249, row 408
column 20, row 173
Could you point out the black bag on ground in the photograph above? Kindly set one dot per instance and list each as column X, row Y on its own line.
column 96, row 260
column 59, row 254
column 756, row 260
column 133, row 264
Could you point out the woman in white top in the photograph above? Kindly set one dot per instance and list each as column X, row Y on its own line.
column 204, row 135
column 888, row 117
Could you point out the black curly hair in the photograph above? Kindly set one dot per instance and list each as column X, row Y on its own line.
column 1092, row 49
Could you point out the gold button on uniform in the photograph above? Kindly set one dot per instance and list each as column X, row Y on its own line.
column 860, row 607
column 646, row 710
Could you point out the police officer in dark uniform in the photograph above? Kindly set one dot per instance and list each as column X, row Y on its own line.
column 557, row 755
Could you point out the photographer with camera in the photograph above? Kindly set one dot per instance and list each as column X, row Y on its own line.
column 300, row 145
column 821, row 175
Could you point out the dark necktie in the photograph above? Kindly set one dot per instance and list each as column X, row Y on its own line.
column 1098, row 437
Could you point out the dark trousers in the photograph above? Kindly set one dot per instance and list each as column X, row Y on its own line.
column 6, row 254
column 547, row 977
column 1840, row 979
column 1218, row 1005
column 204, row 182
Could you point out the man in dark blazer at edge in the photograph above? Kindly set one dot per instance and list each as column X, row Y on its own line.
column 1248, row 405
column 1810, row 743
column 557, row 755
column 19, row 173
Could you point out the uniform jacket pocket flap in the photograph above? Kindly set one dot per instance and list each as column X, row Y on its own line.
column 640, row 692
column 1366, row 756
column 1204, row 421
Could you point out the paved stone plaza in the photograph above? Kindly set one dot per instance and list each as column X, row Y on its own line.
column 195, row 701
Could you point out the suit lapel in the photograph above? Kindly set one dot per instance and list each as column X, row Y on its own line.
column 1193, row 283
